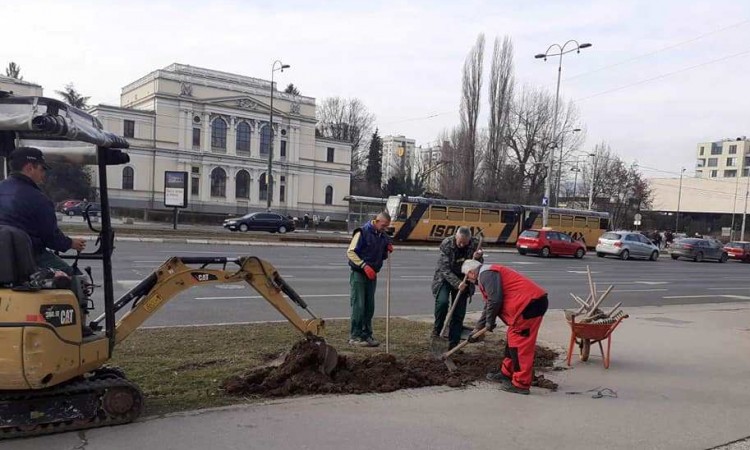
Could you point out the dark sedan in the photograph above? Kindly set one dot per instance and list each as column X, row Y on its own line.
column 699, row 250
column 260, row 221
column 94, row 209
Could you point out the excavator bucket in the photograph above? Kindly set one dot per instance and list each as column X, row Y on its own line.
column 328, row 357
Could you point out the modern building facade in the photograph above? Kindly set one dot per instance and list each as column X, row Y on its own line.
column 398, row 156
column 431, row 160
column 729, row 158
column 215, row 126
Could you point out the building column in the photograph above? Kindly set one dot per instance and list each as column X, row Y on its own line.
column 255, row 139
column 232, row 136
column 206, row 134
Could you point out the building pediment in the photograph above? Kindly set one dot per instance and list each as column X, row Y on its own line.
column 242, row 102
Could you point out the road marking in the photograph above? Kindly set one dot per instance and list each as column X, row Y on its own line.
column 635, row 290
column 736, row 297
column 151, row 262
column 190, row 252
column 651, row 283
column 128, row 283
column 252, row 297
column 574, row 271
column 415, row 276
column 729, row 289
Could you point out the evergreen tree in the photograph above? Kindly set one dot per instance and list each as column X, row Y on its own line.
column 374, row 171
column 291, row 89
column 73, row 97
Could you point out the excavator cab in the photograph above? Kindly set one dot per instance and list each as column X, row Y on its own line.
column 52, row 355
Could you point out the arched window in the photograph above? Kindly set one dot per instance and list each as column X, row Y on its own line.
column 265, row 140
column 262, row 188
column 329, row 195
column 128, row 176
column 242, row 189
column 243, row 137
column 218, row 182
column 219, row 134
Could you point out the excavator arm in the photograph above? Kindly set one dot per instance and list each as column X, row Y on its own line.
column 175, row 276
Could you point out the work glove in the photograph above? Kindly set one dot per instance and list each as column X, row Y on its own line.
column 370, row 272
column 390, row 248
column 491, row 324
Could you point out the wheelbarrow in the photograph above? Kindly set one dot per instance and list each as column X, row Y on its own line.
column 586, row 334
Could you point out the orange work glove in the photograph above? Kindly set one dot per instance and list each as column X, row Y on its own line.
column 370, row 272
column 390, row 248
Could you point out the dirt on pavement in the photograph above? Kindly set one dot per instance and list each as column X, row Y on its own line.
column 299, row 373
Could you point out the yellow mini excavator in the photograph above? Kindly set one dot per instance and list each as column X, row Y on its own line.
column 53, row 376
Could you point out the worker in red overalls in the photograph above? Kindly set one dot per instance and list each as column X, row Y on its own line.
column 520, row 303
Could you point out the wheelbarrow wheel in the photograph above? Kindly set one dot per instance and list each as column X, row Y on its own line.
column 585, row 348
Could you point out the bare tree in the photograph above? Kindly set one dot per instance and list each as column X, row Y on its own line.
column 347, row 120
column 500, row 96
column 452, row 163
column 13, row 71
column 470, row 98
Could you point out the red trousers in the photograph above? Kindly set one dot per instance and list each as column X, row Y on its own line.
column 518, row 364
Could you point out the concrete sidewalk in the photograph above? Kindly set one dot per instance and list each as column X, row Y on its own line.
column 681, row 375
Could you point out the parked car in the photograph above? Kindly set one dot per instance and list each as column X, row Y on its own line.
column 67, row 204
column 626, row 245
column 260, row 221
column 548, row 243
column 738, row 250
column 77, row 209
column 699, row 249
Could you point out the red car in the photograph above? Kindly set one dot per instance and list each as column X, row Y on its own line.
column 738, row 250
column 67, row 204
column 548, row 243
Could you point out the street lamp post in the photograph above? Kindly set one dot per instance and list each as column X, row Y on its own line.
column 269, row 178
column 575, row 169
column 591, row 182
column 744, row 213
column 548, row 181
column 679, row 199
column 559, row 167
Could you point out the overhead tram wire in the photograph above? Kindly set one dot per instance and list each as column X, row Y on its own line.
column 654, row 52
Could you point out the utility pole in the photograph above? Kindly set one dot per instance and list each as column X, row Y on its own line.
column 679, row 198
column 575, row 169
column 744, row 214
column 593, row 178
column 269, row 178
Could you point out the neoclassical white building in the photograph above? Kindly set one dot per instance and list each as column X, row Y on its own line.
column 215, row 126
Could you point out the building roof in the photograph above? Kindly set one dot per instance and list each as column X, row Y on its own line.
column 10, row 80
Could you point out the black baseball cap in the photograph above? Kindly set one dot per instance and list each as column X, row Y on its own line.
column 23, row 155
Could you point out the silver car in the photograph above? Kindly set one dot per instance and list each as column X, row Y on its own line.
column 626, row 245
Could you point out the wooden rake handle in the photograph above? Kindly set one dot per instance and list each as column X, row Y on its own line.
column 465, row 343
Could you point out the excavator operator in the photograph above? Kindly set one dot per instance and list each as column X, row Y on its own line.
column 23, row 205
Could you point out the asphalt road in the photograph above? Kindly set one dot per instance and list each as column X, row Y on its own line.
column 321, row 276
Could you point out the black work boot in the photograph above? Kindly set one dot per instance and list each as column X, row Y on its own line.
column 498, row 377
column 514, row 389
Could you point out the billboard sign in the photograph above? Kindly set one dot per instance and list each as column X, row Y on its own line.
column 175, row 189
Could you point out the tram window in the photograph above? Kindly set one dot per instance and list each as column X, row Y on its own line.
column 438, row 213
column 490, row 215
column 455, row 214
column 580, row 222
column 508, row 217
column 566, row 221
column 593, row 222
column 603, row 224
column 554, row 220
column 403, row 212
column 471, row 215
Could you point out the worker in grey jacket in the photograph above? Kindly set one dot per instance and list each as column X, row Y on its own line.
column 447, row 282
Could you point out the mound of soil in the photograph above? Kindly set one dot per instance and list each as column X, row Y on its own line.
column 299, row 374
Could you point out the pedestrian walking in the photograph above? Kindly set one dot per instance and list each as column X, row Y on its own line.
column 306, row 221
column 367, row 250
column 521, row 304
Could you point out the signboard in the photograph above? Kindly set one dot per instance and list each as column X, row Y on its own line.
column 637, row 219
column 175, row 189
column 726, row 231
column 545, row 201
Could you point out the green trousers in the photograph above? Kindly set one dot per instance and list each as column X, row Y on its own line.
column 442, row 305
column 363, row 305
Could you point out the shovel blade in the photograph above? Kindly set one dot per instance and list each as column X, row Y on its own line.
column 450, row 364
column 438, row 346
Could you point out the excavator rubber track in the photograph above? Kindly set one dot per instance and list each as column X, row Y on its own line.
column 101, row 399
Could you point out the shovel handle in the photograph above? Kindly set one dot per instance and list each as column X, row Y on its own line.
column 449, row 316
column 465, row 343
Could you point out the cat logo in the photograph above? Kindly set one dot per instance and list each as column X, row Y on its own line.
column 58, row 315
column 203, row 277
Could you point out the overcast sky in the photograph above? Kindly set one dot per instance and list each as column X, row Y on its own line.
column 404, row 58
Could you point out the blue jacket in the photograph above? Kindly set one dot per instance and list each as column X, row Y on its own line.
column 23, row 205
column 372, row 247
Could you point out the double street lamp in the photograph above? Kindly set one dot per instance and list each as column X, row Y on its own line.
column 570, row 46
column 269, row 178
column 679, row 198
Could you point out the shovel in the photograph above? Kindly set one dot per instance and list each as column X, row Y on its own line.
column 447, row 355
column 439, row 343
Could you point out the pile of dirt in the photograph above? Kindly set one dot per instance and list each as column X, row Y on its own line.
column 299, row 374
